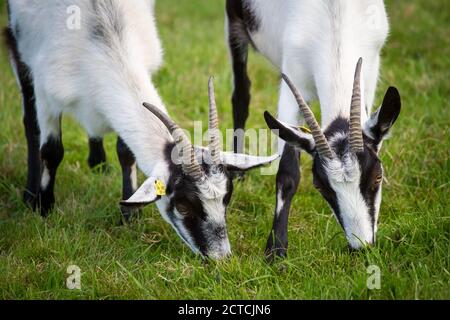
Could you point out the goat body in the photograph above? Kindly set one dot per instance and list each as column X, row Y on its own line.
column 99, row 71
column 94, row 60
column 316, row 44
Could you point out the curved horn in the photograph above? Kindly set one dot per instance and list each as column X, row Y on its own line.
column 190, row 167
column 214, row 143
column 356, row 135
column 322, row 146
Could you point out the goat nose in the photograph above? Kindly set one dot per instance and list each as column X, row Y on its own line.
column 220, row 255
column 220, row 250
column 220, row 232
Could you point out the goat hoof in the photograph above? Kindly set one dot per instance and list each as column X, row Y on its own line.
column 273, row 254
column 45, row 211
column 275, row 249
column 46, row 203
column 43, row 202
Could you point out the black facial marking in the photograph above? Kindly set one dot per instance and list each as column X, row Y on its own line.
column 322, row 184
column 193, row 225
column 369, row 164
column 185, row 196
column 320, row 177
column 371, row 169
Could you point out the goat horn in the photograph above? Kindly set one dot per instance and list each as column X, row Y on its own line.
column 356, row 136
column 191, row 167
column 322, row 146
column 214, row 144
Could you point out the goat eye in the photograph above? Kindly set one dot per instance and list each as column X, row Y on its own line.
column 182, row 209
column 378, row 180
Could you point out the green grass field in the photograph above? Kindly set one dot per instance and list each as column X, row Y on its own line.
column 147, row 260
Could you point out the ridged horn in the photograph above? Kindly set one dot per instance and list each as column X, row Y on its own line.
column 190, row 166
column 322, row 146
column 356, row 134
column 214, row 142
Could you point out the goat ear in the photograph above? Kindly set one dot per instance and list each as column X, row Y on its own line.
column 292, row 135
column 235, row 161
column 242, row 162
column 378, row 126
column 144, row 196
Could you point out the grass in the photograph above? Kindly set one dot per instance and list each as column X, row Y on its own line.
column 146, row 260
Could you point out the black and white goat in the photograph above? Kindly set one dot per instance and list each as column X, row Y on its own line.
column 317, row 45
column 100, row 71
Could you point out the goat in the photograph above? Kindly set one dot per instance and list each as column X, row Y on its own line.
column 101, row 72
column 316, row 44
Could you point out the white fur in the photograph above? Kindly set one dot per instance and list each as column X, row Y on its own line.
column 102, row 79
column 280, row 203
column 45, row 179
column 246, row 162
column 145, row 194
column 103, row 88
column 212, row 192
column 102, row 83
column 317, row 44
column 133, row 177
column 221, row 250
column 337, row 137
column 344, row 177
column 343, row 170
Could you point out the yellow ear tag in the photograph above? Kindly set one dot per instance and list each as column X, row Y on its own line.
column 305, row 130
column 160, row 188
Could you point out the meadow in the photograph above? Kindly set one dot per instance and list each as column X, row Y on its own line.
column 146, row 260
